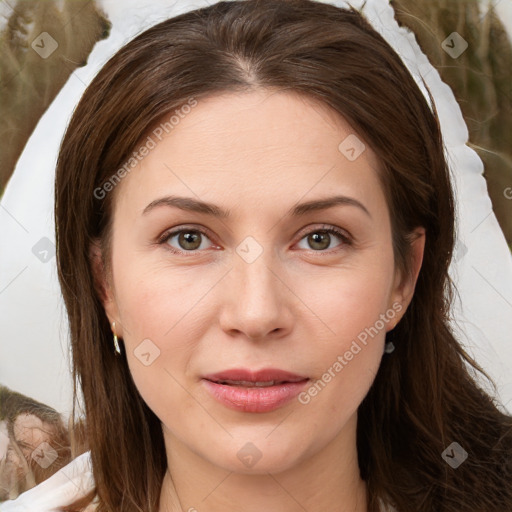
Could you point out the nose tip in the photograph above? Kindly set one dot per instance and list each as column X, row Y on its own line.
column 256, row 304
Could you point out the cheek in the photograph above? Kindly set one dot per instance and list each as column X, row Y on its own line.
column 351, row 300
column 355, row 315
column 162, row 326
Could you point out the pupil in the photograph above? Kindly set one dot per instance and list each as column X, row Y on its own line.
column 316, row 238
column 188, row 238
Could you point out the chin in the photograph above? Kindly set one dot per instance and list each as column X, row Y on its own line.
column 259, row 456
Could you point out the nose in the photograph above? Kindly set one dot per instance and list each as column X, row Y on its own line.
column 258, row 301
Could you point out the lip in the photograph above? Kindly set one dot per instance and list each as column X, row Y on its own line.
column 254, row 399
column 263, row 375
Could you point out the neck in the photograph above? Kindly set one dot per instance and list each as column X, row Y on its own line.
column 327, row 480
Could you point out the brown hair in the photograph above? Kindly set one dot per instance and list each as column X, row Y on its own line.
column 424, row 396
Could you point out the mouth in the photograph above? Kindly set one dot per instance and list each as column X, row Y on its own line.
column 250, row 384
column 243, row 376
column 260, row 391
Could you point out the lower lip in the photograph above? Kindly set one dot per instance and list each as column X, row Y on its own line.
column 255, row 399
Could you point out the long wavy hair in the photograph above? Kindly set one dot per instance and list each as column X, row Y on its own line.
column 425, row 395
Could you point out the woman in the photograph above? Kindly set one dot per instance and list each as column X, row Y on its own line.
column 252, row 206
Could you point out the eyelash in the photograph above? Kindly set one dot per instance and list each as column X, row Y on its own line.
column 345, row 239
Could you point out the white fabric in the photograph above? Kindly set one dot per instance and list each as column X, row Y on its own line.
column 65, row 486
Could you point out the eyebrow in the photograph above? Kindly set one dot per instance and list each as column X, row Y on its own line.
column 195, row 205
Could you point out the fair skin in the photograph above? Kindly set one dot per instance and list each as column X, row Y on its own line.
column 297, row 306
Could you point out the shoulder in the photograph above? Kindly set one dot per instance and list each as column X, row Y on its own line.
column 65, row 486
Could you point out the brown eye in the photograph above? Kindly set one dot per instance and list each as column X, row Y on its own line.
column 320, row 239
column 187, row 240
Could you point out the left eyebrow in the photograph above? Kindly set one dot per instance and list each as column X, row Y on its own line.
column 324, row 204
column 195, row 205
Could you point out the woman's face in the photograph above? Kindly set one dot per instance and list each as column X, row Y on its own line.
column 261, row 287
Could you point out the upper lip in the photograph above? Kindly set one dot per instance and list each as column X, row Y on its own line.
column 264, row 375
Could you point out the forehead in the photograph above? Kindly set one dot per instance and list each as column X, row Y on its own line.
column 264, row 141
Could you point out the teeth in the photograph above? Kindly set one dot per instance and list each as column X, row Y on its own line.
column 249, row 384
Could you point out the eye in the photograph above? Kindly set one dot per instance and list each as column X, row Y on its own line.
column 191, row 240
column 187, row 240
column 320, row 239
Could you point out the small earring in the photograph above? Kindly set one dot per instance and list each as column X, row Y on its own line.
column 389, row 346
column 116, row 342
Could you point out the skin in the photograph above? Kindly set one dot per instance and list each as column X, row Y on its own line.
column 297, row 306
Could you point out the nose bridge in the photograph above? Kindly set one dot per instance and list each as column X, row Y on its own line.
column 253, row 270
column 257, row 303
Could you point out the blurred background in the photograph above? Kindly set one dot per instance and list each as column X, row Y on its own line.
column 34, row 68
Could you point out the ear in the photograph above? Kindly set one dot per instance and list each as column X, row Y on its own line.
column 404, row 285
column 103, row 285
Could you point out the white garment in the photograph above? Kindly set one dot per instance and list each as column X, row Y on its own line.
column 64, row 487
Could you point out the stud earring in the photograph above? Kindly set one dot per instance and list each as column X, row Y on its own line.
column 116, row 342
column 389, row 346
